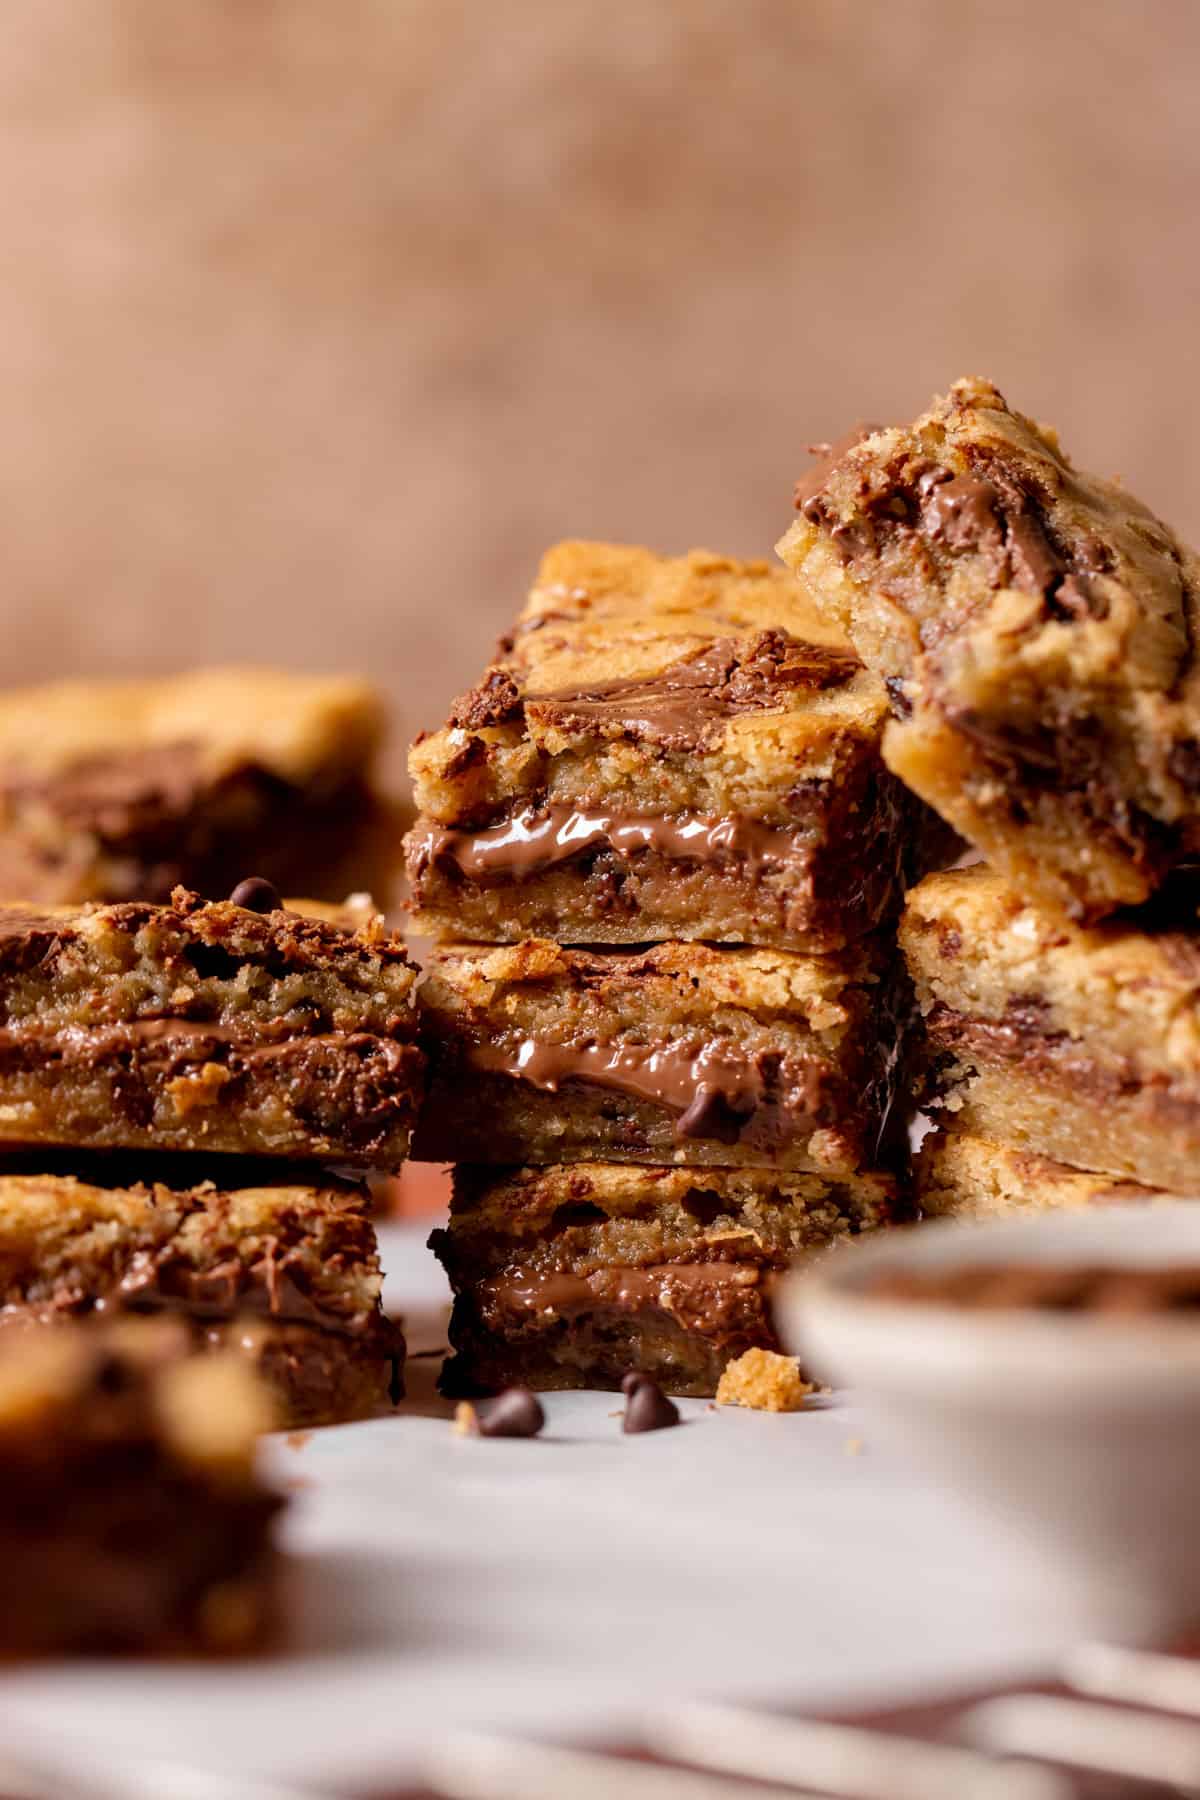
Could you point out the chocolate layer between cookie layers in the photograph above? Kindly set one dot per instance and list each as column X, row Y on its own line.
column 131, row 1516
column 199, row 1026
column 568, row 1277
column 680, row 1052
column 123, row 790
column 285, row 1272
column 1081, row 1044
column 664, row 748
column 1037, row 629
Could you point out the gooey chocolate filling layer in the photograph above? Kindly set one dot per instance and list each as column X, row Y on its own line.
column 540, row 838
column 714, row 1088
column 704, row 1291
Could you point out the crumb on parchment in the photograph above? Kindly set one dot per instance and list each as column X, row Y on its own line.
column 765, row 1381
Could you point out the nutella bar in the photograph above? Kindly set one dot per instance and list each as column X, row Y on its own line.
column 1037, row 630
column 1081, row 1044
column 664, row 747
column 569, row 1277
column 678, row 1052
column 207, row 1026
column 131, row 1517
column 284, row 1271
column 124, row 790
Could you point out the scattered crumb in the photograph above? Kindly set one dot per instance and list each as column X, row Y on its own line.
column 296, row 1440
column 619, row 1414
column 466, row 1420
column 296, row 1484
column 854, row 1446
column 711, row 1407
column 765, row 1381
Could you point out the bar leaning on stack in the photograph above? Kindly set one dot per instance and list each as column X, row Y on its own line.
column 661, row 852
column 1037, row 629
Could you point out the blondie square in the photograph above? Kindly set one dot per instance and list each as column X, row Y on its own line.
column 123, row 790
column 131, row 1516
column 963, row 1177
column 206, row 1026
column 1037, row 629
column 569, row 1277
column 285, row 1271
column 1078, row 1043
column 664, row 747
column 678, row 1052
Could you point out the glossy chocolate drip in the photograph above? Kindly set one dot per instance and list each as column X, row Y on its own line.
column 713, row 1088
column 540, row 838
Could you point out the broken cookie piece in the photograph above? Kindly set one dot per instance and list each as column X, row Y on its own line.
column 1037, row 629
column 765, row 1381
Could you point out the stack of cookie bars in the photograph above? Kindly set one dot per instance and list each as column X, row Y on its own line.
column 662, row 858
column 178, row 1074
column 1037, row 629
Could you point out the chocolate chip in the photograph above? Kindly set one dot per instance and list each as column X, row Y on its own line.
column 514, row 1413
column 647, row 1407
column 715, row 1114
column 256, row 895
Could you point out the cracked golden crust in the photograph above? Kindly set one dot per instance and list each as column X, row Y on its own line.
column 1038, row 629
column 959, row 1175
column 677, row 982
column 790, row 703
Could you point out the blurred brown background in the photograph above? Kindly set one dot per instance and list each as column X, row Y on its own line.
column 320, row 317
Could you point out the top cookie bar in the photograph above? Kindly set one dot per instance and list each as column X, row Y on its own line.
column 1036, row 628
column 117, row 790
column 664, row 747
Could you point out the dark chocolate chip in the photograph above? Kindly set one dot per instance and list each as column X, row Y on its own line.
column 647, row 1407
column 514, row 1413
column 256, row 895
column 715, row 1114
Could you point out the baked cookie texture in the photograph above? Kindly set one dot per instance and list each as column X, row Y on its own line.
column 124, row 790
column 205, row 1026
column 959, row 1176
column 664, row 747
column 131, row 1516
column 570, row 1276
column 1078, row 1043
column 1037, row 630
column 678, row 1052
column 284, row 1272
